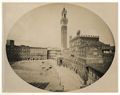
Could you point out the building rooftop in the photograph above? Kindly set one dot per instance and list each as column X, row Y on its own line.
column 85, row 37
column 101, row 68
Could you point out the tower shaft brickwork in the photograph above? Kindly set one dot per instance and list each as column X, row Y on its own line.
column 64, row 22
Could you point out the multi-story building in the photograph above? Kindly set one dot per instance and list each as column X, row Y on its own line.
column 38, row 53
column 94, row 72
column 53, row 53
column 12, row 51
column 22, row 52
column 87, row 54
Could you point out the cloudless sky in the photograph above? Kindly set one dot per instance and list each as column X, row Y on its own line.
column 41, row 26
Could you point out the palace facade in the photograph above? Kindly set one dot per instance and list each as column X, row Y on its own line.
column 88, row 57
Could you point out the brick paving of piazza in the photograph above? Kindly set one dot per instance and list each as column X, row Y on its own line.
column 58, row 78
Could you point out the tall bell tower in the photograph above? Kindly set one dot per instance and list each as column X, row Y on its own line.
column 64, row 22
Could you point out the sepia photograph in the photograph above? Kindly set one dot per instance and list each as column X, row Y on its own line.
column 60, row 47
